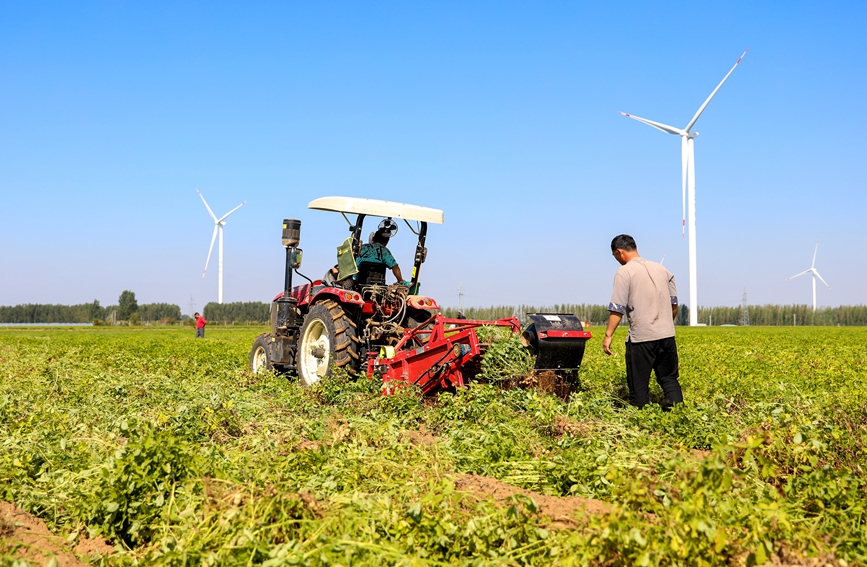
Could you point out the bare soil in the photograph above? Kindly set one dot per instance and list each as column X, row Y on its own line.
column 421, row 437
column 564, row 512
column 26, row 537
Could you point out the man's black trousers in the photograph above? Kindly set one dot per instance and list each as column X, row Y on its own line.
column 659, row 356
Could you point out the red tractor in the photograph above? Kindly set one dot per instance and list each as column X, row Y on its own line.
column 355, row 321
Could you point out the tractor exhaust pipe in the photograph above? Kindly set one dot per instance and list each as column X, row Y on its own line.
column 291, row 240
column 286, row 304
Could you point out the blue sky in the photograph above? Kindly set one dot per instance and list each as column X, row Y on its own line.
column 502, row 114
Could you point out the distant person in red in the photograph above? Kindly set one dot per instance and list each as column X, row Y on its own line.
column 200, row 325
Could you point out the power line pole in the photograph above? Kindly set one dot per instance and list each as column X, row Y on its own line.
column 745, row 312
column 192, row 305
column 461, row 298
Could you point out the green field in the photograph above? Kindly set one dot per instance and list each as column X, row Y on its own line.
column 176, row 454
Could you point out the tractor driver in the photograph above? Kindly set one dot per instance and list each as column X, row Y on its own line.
column 376, row 255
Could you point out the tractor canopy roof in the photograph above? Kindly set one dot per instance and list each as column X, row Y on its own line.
column 377, row 208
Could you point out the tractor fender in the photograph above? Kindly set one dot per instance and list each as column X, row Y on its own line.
column 301, row 294
column 338, row 294
column 305, row 298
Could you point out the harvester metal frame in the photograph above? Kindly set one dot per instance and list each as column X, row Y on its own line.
column 439, row 363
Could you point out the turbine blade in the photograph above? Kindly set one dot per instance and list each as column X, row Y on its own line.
column 797, row 275
column 213, row 216
column 813, row 265
column 820, row 277
column 232, row 211
column 211, row 249
column 684, row 162
column 703, row 106
column 658, row 125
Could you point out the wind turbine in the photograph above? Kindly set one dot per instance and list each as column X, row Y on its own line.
column 815, row 273
column 218, row 227
column 687, row 156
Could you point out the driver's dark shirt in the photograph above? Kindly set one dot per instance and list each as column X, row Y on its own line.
column 376, row 253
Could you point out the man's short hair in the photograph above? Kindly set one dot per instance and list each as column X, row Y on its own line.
column 623, row 242
column 380, row 237
column 196, row 314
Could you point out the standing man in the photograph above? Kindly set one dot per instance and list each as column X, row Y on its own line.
column 200, row 326
column 645, row 292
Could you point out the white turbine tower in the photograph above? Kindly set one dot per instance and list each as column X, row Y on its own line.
column 687, row 155
column 218, row 227
column 815, row 274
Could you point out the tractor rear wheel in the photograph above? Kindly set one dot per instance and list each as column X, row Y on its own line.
column 259, row 361
column 328, row 339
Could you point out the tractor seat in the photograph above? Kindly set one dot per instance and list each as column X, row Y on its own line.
column 371, row 273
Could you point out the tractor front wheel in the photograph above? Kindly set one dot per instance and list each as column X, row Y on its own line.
column 328, row 338
column 259, row 361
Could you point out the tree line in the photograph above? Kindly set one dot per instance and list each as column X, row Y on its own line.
column 594, row 314
column 257, row 312
column 240, row 312
column 773, row 315
column 782, row 315
column 83, row 313
column 46, row 313
column 127, row 310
